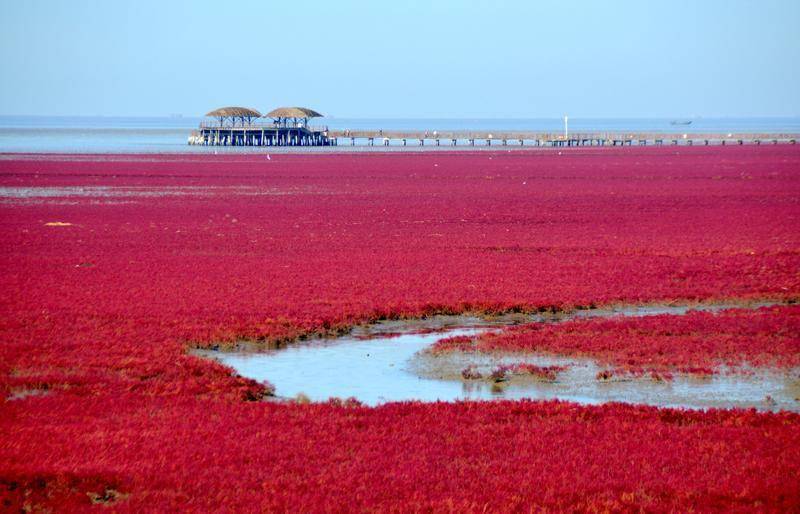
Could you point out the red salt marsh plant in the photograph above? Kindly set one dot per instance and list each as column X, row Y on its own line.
column 605, row 374
column 548, row 373
column 501, row 373
column 661, row 377
column 197, row 454
column 505, row 372
column 271, row 250
column 471, row 373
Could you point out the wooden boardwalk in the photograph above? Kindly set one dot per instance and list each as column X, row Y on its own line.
column 522, row 138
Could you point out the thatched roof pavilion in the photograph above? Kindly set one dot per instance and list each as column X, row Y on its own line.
column 233, row 114
column 292, row 112
column 292, row 116
column 238, row 126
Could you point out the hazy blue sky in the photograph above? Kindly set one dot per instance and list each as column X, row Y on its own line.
column 403, row 59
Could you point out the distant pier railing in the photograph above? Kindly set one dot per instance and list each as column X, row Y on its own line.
column 532, row 138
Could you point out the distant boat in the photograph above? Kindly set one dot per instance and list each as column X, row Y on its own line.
column 680, row 122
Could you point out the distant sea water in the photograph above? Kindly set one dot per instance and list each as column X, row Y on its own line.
column 85, row 134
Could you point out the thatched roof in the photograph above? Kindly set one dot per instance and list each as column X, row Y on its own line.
column 224, row 112
column 292, row 112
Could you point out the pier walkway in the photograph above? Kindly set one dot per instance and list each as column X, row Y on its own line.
column 522, row 138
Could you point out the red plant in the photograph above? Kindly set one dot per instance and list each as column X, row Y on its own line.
column 471, row 373
column 540, row 372
column 113, row 265
column 605, row 374
column 501, row 373
column 661, row 377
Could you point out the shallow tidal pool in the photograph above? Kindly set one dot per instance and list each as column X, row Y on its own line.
column 388, row 361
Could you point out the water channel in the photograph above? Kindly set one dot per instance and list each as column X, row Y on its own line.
column 387, row 361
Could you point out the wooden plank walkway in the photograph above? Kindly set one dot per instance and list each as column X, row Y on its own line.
column 518, row 138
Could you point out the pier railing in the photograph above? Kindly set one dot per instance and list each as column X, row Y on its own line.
column 511, row 135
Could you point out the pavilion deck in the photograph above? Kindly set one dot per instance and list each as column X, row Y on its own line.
column 267, row 134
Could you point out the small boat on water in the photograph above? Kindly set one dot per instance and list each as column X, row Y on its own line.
column 680, row 122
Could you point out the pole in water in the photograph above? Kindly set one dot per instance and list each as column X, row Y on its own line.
column 566, row 127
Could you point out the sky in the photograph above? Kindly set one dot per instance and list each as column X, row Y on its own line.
column 395, row 59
